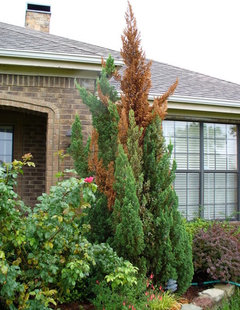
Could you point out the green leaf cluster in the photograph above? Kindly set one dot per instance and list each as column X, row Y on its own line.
column 45, row 257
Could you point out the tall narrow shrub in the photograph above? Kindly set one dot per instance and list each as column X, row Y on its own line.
column 133, row 171
column 168, row 247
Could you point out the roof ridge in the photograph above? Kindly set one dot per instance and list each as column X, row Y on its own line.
column 55, row 38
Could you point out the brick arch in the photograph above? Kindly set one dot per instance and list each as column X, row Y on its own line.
column 52, row 135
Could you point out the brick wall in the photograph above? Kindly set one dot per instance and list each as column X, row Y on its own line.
column 52, row 103
column 29, row 137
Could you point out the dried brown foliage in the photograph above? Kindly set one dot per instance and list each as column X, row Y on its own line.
column 123, row 128
column 104, row 178
column 159, row 106
column 136, row 81
column 135, row 85
column 101, row 96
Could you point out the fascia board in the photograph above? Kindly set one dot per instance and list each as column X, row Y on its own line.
column 200, row 101
column 28, row 62
column 56, row 57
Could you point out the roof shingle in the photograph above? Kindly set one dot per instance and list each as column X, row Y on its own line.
column 191, row 84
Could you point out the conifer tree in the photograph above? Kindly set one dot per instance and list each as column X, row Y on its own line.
column 167, row 243
column 137, row 204
column 77, row 149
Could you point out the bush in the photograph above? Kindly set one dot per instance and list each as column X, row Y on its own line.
column 216, row 253
column 45, row 256
column 197, row 224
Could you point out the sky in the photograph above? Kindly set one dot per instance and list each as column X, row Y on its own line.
column 199, row 35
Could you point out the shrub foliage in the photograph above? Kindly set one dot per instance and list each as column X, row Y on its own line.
column 216, row 253
column 45, row 256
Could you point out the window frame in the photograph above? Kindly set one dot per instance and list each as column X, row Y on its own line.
column 12, row 127
column 203, row 171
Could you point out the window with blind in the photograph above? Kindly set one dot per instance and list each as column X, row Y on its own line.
column 207, row 175
column 6, row 143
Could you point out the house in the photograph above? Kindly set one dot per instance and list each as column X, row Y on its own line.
column 38, row 103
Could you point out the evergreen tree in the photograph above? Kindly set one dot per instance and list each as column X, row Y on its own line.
column 128, row 232
column 78, row 151
column 136, row 209
column 168, row 248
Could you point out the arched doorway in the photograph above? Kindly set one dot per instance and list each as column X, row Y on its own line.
column 35, row 130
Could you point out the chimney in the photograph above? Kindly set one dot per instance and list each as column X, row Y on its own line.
column 38, row 17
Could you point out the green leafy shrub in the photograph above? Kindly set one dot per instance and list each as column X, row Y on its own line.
column 192, row 227
column 45, row 256
column 120, row 291
column 216, row 253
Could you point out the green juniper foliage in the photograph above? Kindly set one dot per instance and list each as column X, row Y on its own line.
column 135, row 152
column 168, row 247
column 104, row 117
column 128, row 232
column 78, row 151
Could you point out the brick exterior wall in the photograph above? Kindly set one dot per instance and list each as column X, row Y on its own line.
column 49, row 106
column 29, row 137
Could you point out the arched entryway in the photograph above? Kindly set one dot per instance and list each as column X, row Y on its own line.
column 35, row 130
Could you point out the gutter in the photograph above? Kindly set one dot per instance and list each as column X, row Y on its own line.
column 97, row 60
column 55, row 56
column 200, row 101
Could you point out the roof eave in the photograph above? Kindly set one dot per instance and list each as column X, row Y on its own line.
column 56, row 57
column 202, row 101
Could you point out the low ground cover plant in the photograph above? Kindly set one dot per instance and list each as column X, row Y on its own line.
column 143, row 295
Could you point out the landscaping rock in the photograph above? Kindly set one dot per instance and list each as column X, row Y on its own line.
column 204, row 301
column 214, row 293
column 190, row 307
column 228, row 289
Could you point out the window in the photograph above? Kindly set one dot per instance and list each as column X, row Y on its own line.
column 207, row 176
column 6, row 143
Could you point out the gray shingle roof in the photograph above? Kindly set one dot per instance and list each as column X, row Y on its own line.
column 191, row 84
column 23, row 39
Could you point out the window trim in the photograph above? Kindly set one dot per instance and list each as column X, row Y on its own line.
column 12, row 127
column 202, row 171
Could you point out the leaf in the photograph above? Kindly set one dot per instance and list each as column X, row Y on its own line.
column 4, row 269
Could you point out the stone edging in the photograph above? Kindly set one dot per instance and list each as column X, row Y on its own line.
column 210, row 298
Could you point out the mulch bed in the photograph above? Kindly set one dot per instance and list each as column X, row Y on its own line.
column 193, row 291
column 75, row 306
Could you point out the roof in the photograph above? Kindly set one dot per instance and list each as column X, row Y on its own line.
column 191, row 84
column 24, row 39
